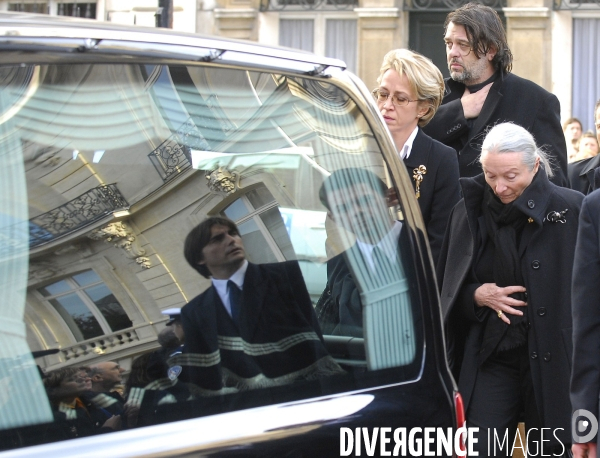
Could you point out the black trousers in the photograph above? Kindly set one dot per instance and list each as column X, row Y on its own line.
column 502, row 397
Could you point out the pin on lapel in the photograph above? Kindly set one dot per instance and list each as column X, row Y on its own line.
column 556, row 217
column 418, row 177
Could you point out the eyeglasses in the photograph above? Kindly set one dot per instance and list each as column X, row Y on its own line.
column 463, row 47
column 397, row 100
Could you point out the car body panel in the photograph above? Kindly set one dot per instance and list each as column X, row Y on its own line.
column 170, row 72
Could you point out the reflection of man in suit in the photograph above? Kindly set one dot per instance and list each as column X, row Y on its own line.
column 482, row 92
column 356, row 200
column 255, row 326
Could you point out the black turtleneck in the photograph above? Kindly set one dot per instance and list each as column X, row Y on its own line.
column 478, row 86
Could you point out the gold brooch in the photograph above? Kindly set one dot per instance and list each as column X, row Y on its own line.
column 418, row 177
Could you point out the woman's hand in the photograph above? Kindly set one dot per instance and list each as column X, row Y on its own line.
column 497, row 298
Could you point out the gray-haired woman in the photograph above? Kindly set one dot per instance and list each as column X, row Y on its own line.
column 505, row 275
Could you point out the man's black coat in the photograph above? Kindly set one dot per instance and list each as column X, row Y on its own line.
column 277, row 338
column 510, row 99
column 585, row 379
column 583, row 176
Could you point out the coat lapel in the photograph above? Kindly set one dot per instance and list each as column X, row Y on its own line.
column 591, row 164
column 419, row 153
column 419, row 156
column 253, row 299
column 207, row 317
column 588, row 173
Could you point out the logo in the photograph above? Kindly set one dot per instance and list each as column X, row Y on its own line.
column 584, row 426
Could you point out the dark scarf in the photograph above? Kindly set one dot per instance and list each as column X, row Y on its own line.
column 504, row 224
column 476, row 87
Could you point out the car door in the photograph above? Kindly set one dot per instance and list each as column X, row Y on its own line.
column 117, row 144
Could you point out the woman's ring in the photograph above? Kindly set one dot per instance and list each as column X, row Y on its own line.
column 500, row 313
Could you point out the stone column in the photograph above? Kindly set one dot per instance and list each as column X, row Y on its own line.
column 380, row 29
column 52, row 7
column 529, row 30
column 101, row 10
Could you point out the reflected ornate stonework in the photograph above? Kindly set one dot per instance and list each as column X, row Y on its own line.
column 144, row 262
column 122, row 237
column 41, row 270
column 222, row 180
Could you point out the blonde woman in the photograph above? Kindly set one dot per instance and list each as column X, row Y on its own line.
column 410, row 91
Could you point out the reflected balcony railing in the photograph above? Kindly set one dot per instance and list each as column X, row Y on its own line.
column 75, row 214
column 447, row 5
column 302, row 5
column 101, row 345
column 173, row 156
column 577, row 5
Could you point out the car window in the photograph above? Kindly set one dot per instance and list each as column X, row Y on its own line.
column 106, row 170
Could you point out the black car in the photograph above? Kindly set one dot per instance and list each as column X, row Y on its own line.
column 115, row 143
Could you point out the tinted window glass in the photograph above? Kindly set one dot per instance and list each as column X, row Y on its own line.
column 110, row 168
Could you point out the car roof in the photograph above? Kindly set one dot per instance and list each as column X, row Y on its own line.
column 16, row 26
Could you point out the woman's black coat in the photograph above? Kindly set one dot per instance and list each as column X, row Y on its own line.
column 546, row 263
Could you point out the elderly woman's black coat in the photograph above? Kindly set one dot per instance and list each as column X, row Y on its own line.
column 546, row 263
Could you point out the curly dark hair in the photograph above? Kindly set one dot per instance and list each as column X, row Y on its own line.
column 485, row 31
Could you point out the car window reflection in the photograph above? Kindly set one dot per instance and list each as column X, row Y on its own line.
column 111, row 167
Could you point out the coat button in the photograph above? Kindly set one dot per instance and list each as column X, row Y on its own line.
column 534, row 355
column 524, row 295
column 547, row 356
column 535, row 264
column 530, row 203
column 528, row 326
column 541, row 311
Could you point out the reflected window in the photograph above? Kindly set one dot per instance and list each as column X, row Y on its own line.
column 86, row 305
column 86, row 10
column 261, row 226
column 29, row 7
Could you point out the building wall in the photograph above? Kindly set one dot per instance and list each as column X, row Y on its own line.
column 540, row 38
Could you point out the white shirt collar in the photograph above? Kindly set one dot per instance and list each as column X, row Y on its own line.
column 221, row 285
column 407, row 148
column 388, row 244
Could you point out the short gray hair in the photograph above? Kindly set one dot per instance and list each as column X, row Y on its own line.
column 512, row 138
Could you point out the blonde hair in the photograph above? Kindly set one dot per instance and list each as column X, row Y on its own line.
column 423, row 76
column 587, row 134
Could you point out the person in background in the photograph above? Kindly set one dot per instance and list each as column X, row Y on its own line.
column 587, row 146
column 410, row 91
column 172, row 339
column 65, row 388
column 572, row 129
column 482, row 92
column 597, row 119
column 584, row 175
column 106, row 377
column 505, row 275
